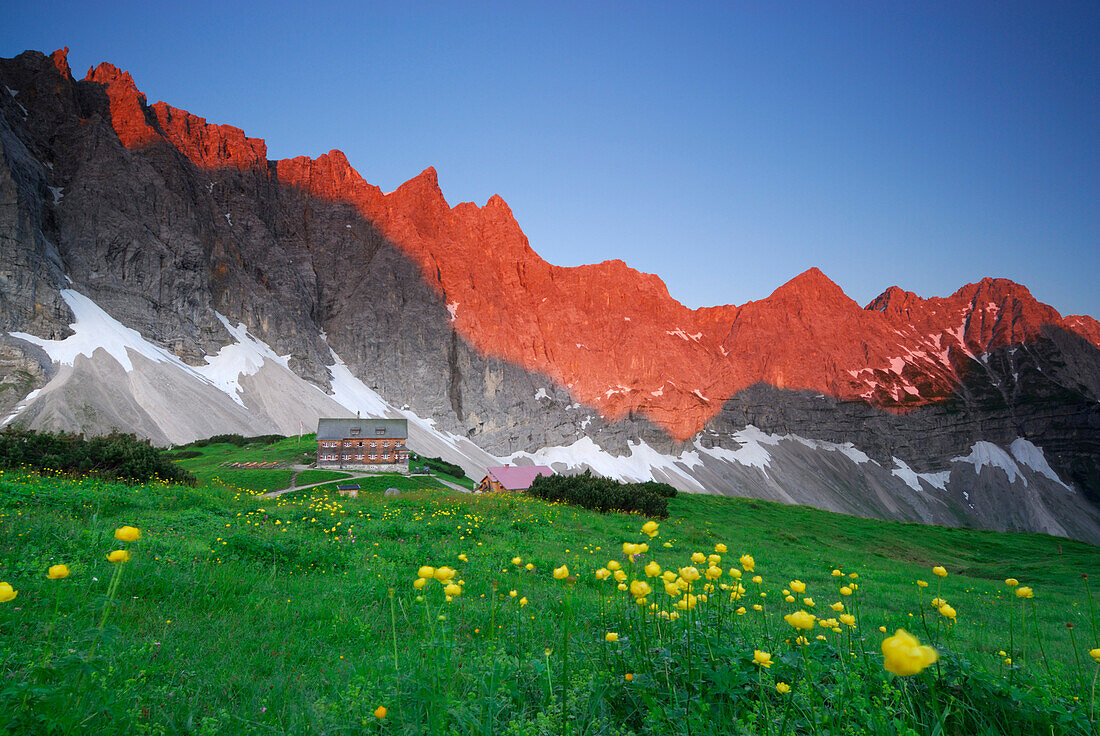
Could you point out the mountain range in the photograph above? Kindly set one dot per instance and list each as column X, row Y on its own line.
column 161, row 275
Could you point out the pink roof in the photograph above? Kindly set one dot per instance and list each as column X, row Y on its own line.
column 518, row 477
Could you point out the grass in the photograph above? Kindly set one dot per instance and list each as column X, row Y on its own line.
column 319, row 476
column 242, row 615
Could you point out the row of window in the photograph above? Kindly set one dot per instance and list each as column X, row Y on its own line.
column 359, row 443
column 397, row 457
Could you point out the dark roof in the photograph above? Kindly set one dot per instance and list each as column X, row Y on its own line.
column 518, row 477
column 338, row 429
column 351, row 487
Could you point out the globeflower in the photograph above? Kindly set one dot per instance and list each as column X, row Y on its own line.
column 57, row 572
column 1094, row 653
column 782, row 688
column 939, row 570
column 603, row 573
column 613, row 565
column 1012, row 582
column 523, row 601
column 561, row 573
column 640, row 588
column 922, row 584
column 904, row 655
column 517, row 561
column 653, row 569
column 947, row 611
column 419, row 583
column 698, row 558
column 611, row 636
column 845, row 590
column 800, row 620
column 747, row 563
column 837, row 574
column 380, row 712
column 650, row 528
column 689, row 574
column 119, row 555
column 838, row 606
column 798, row 586
column 721, row 548
column 529, row 566
column 763, row 659
column 7, row 593
column 848, row 619
column 453, row 590
column 1024, row 592
column 444, row 574
column 127, row 534
column 426, row 571
column 757, row 579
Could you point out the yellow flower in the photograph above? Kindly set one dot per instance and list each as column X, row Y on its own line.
column 741, row 611
column 561, row 573
column 630, row 549
column 947, row 611
column 1012, row 582
column 837, row 574
column 721, row 548
column 652, row 569
column 622, row 586
column 427, row 572
column 613, row 565
column 848, row 619
column 1095, row 654
column 757, row 579
column 517, row 561
column 640, row 588
column 689, row 574
column 513, row 593
column 650, row 528
column 800, row 620
column 672, row 590
column 7, row 593
column 419, row 583
column 611, row 636
column 838, row 606
column 628, row 677
column 904, row 655
column 762, row 658
column 620, row 576
column 713, row 573
column 789, row 599
column 523, row 601
column 453, row 590
column 380, row 712
column 845, row 590
column 853, row 575
column 747, row 563
column 922, row 584
column 443, row 574
column 757, row 607
column 798, row 586
column 1024, row 592
column 809, row 602
column 939, row 570
column 698, row 558
column 119, row 555
column 735, row 573
column 57, row 572
column 782, row 688
column 714, row 560
column 127, row 534
column 603, row 573
column 529, row 566
column 882, row 629
column 463, row 557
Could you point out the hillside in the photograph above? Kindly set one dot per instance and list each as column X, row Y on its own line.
column 239, row 614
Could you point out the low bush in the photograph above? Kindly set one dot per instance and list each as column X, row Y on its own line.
column 115, row 455
column 604, row 494
column 238, row 440
column 439, row 465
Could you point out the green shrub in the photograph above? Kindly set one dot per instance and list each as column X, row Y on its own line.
column 438, row 464
column 604, row 494
column 115, row 455
column 238, row 440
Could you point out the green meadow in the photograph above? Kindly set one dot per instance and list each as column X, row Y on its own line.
column 301, row 614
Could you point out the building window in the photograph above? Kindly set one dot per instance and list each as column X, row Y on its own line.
column 358, row 457
column 373, row 456
column 381, row 431
column 354, row 432
column 374, row 444
column 347, row 457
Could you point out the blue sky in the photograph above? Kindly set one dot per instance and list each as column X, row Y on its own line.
column 726, row 147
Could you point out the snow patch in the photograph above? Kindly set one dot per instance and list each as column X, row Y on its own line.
column 636, row 467
column 452, row 308
column 229, row 219
column 679, row 332
column 986, row 453
column 351, row 393
column 245, row 357
column 913, row 478
column 541, row 394
column 20, row 407
column 698, row 393
column 57, row 194
column 1031, row 455
column 94, row 329
column 11, row 91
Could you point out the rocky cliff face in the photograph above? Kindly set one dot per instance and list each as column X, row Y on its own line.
column 177, row 227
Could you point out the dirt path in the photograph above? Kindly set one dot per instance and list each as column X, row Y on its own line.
column 352, row 476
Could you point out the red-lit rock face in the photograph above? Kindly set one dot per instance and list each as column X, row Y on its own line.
column 612, row 335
